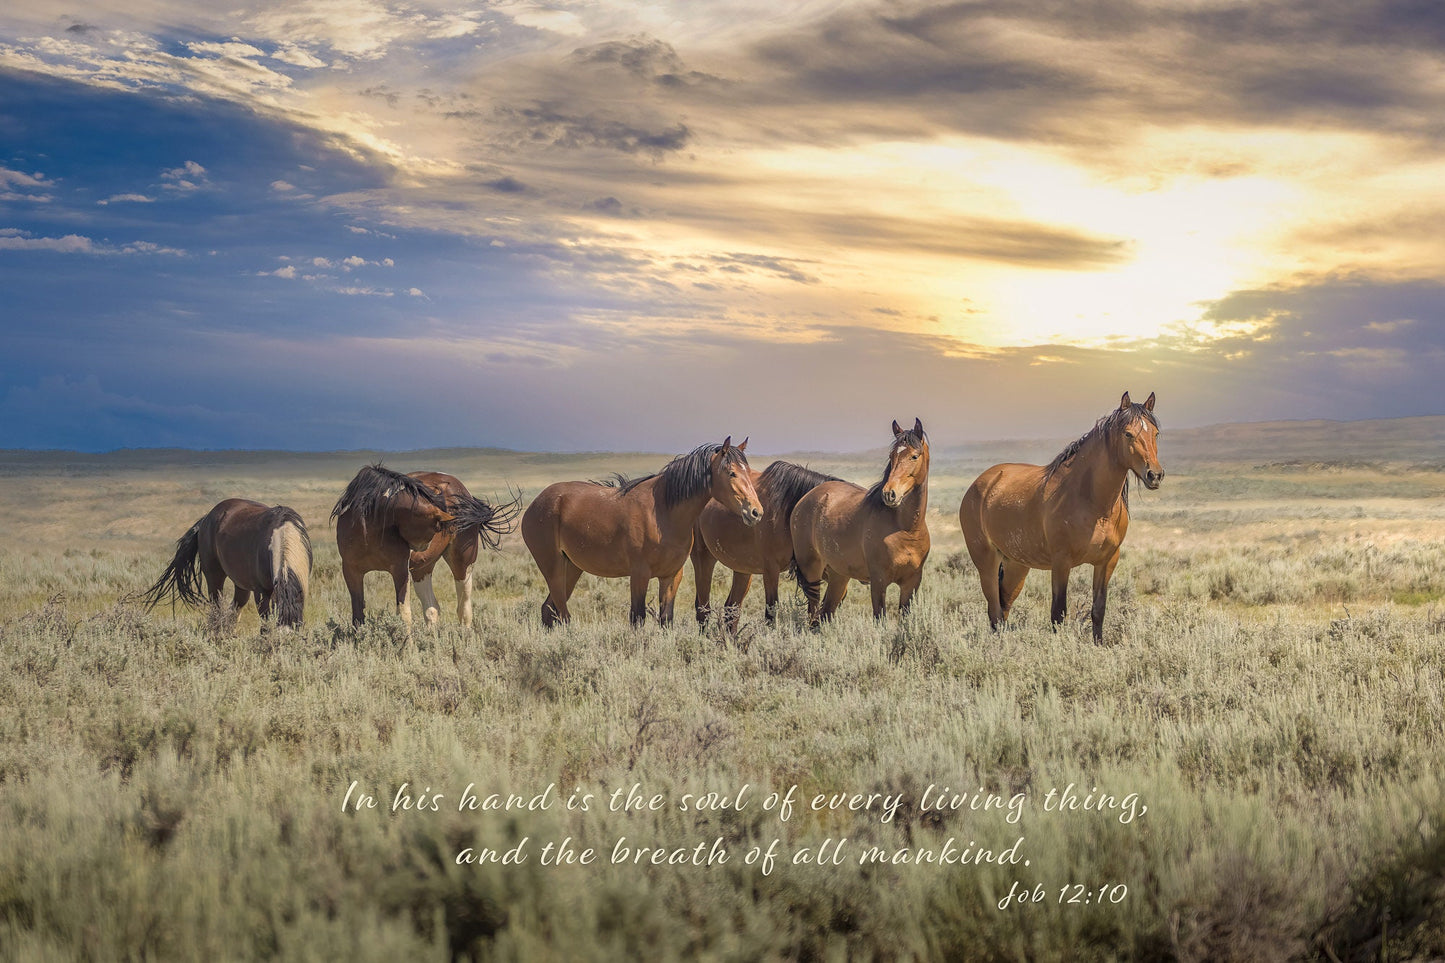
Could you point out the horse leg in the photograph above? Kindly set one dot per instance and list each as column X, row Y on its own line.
column 431, row 610
column 464, row 599
column 1102, row 573
column 808, row 566
column 401, row 579
column 638, row 613
column 667, row 597
column 703, row 565
column 354, row 580
column 1011, row 577
column 1060, row 581
column 906, row 588
column 878, row 591
column 559, row 589
column 733, row 608
column 988, row 563
column 837, row 589
column 238, row 601
column 770, row 592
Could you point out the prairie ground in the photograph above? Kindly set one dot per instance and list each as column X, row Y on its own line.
column 1248, row 768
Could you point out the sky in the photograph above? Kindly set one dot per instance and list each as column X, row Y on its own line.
column 598, row 225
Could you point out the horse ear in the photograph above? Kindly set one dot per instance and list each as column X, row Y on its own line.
column 726, row 442
column 1124, row 401
column 1149, row 405
column 918, row 425
column 896, row 429
column 744, row 445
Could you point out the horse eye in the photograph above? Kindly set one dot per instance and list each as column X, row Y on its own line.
column 1128, row 434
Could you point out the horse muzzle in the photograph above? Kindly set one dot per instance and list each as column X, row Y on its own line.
column 751, row 515
column 891, row 498
column 1153, row 479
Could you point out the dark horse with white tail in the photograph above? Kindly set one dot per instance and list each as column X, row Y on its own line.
column 640, row 529
column 764, row 548
column 261, row 549
column 1072, row 511
column 400, row 524
column 878, row 536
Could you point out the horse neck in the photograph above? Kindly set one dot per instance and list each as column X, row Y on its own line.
column 683, row 513
column 1097, row 475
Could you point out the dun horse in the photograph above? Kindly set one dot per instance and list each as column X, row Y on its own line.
column 878, row 536
column 390, row 522
column 259, row 548
column 763, row 549
column 1072, row 511
column 640, row 529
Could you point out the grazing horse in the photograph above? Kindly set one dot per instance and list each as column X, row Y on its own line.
column 459, row 545
column 640, row 529
column 387, row 521
column 259, row 548
column 878, row 536
column 1072, row 511
column 763, row 549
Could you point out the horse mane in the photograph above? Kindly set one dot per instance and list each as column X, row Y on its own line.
column 1105, row 428
column 782, row 483
column 686, row 476
column 370, row 493
column 913, row 439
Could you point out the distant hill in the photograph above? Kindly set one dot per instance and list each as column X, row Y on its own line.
column 1410, row 441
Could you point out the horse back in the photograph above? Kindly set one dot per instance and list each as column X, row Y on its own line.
column 594, row 525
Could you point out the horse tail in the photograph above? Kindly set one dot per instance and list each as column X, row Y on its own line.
column 812, row 591
column 290, row 564
column 182, row 578
column 490, row 521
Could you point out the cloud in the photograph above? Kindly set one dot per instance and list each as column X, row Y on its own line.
column 189, row 177
column 126, row 199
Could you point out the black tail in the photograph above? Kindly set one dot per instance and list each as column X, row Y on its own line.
column 490, row 521
column 812, row 591
column 1000, row 583
column 182, row 578
column 288, row 598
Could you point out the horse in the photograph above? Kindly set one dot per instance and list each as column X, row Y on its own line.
column 640, row 529
column 765, row 548
column 395, row 523
column 1072, row 511
column 878, row 536
column 260, row 548
column 460, row 546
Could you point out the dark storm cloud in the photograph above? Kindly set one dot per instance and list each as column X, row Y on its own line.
column 550, row 125
column 1065, row 70
column 645, row 58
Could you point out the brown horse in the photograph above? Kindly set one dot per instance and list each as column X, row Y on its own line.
column 459, row 545
column 878, row 536
column 387, row 521
column 259, row 548
column 639, row 529
column 1072, row 511
column 763, row 549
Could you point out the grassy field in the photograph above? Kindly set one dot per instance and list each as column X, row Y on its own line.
column 1249, row 768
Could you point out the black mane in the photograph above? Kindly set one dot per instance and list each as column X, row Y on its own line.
column 782, row 483
column 1106, row 428
column 371, row 492
column 490, row 521
column 686, row 476
column 913, row 439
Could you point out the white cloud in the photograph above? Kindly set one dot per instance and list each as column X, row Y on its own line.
column 190, row 176
column 127, row 199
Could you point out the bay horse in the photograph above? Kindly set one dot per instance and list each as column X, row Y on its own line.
column 765, row 548
column 1072, row 511
column 640, row 529
column 878, row 536
column 389, row 522
column 260, row 548
column 459, row 545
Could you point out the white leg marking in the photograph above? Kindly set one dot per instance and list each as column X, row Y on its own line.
column 403, row 608
column 464, row 600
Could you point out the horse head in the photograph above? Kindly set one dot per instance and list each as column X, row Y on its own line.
column 907, row 464
column 732, row 482
column 419, row 520
column 1137, row 445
